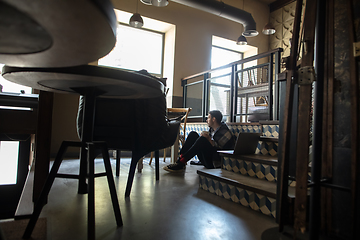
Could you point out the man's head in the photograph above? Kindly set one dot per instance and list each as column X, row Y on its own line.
column 214, row 118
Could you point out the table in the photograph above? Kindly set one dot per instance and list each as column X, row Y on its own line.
column 62, row 33
column 91, row 82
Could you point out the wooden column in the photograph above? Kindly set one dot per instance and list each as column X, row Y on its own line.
column 43, row 141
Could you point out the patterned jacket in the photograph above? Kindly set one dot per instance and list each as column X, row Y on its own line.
column 223, row 138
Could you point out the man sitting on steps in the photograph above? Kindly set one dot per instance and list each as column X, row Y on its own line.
column 206, row 145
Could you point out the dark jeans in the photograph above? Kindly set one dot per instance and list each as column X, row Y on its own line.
column 200, row 146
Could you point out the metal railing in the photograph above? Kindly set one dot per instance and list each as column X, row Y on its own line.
column 242, row 91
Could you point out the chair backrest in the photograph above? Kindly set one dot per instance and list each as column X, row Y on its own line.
column 183, row 119
column 132, row 124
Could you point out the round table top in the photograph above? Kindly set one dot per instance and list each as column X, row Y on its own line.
column 107, row 82
column 62, row 33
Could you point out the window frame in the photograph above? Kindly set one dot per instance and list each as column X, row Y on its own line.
column 162, row 49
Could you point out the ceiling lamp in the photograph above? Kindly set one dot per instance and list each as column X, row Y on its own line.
column 156, row 3
column 136, row 20
column 241, row 40
column 250, row 33
column 268, row 29
column 250, row 29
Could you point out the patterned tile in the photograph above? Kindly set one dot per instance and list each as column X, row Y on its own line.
column 270, row 130
column 247, row 168
column 267, row 148
column 246, row 198
column 263, row 148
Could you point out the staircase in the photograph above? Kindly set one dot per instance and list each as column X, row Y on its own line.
column 250, row 180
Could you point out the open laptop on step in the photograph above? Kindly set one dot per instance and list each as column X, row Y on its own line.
column 246, row 143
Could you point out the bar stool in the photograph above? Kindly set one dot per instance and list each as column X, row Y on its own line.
column 91, row 82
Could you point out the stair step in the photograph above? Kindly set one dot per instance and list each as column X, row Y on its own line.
column 256, row 194
column 269, row 122
column 247, row 183
column 259, row 166
column 269, row 139
column 252, row 184
column 258, row 158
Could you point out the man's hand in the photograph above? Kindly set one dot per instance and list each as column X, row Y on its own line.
column 206, row 134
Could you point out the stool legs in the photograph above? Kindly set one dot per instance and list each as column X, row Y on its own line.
column 45, row 191
column 91, row 193
column 112, row 188
column 82, row 185
column 134, row 160
column 117, row 166
column 157, row 175
column 91, row 155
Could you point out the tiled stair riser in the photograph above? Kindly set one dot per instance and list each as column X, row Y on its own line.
column 268, row 148
column 251, row 169
column 255, row 201
column 270, row 130
column 263, row 148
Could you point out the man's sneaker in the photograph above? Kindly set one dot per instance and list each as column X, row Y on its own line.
column 175, row 167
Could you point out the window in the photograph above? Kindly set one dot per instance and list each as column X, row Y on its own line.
column 222, row 56
column 8, row 162
column 9, row 149
column 136, row 49
column 219, row 83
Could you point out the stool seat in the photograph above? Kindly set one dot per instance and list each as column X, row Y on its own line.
column 108, row 82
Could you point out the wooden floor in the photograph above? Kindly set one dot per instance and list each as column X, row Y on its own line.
column 171, row 208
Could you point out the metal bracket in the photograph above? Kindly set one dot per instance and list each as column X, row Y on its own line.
column 306, row 75
column 356, row 49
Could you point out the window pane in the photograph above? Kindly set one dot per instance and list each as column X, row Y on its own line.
column 219, row 95
column 136, row 49
column 8, row 162
column 219, row 91
column 221, row 57
column 194, row 98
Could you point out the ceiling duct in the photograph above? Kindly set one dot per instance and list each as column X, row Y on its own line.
column 226, row 11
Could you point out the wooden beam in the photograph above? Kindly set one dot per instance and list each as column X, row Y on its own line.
column 303, row 128
column 43, row 142
column 328, row 120
column 355, row 112
column 282, row 206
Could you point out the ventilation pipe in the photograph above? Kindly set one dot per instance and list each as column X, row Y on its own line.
column 226, row 11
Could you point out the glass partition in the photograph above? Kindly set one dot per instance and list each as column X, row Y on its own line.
column 194, row 95
column 243, row 93
column 219, row 94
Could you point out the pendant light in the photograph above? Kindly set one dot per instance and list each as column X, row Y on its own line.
column 269, row 29
column 241, row 40
column 156, row 3
column 147, row 2
column 136, row 20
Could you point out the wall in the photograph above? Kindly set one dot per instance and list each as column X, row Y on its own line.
column 283, row 21
column 193, row 37
column 194, row 30
column 64, row 122
column 337, row 212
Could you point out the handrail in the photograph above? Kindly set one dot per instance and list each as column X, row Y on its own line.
column 273, row 67
column 248, row 59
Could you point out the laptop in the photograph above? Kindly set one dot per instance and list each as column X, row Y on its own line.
column 246, row 143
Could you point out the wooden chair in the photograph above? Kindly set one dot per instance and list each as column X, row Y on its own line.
column 176, row 111
column 136, row 125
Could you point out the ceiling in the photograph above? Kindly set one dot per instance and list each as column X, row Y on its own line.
column 267, row 2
